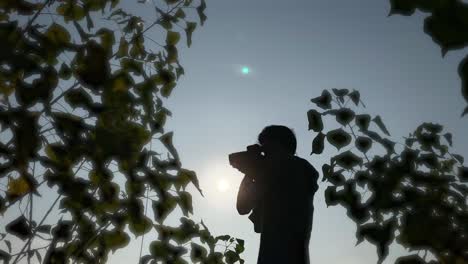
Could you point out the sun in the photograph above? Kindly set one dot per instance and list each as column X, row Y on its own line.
column 223, row 185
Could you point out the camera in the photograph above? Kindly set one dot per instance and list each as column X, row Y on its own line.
column 248, row 162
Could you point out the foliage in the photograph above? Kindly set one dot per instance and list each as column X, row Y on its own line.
column 413, row 193
column 81, row 105
column 447, row 25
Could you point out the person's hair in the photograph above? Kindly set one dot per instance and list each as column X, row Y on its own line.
column 281, row 135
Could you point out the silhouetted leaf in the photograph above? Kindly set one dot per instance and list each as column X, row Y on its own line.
column 315, row 120
column 201, row 12
column 44, row 229
column 198, row 253
column 363, row 121
column 163, row 207
column 340, row 92
column 448, row 137
column 344, row 116
column 19, row 228
column 347, row 160
column 355, row 97
column 338, row 138
column 463, row 73
column 8, row 244
column 188, row 32
column 412, row 259
column 463, row 173
column 380, row 235
column 185, row 203
column 324, row 100
column 318, row 144
column 402, row 7
column 5, row 256
column 378, row 120
column 115, row 239
column 363, row 144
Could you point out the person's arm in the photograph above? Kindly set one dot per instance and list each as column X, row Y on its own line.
column 246, row 197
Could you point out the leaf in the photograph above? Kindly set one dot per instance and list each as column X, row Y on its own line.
column 38, row 256
column 19, row 227
column 340, row 92
column 363, row 121
column 463, row 73
column 57, row 35
column 412, row 259
column 188, row 32
column 163, row 207
column 18, row 187
column 463, row 173
column 347, row 160
column 123, row 48
column 44, row 229
column 315, row 120
column 355, row 97
column 338, row 138
column 446, row 30
column 318, row 144
column 65, row 71
column 324, row 100
column 185, row 203
column 198, row 253
column 115, row 239
column 459, row 158
column 231, row 257
column 363, row 144
column 172, row 38
column 5, row 256
column 402, row 7
column 344, row 116
column 200, row 10
column 166, row 139
column 185, row 177
column 378, row 120
column 379, row 235
column 8, row 244
column 448, row 137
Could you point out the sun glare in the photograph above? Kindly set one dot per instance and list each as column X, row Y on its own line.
column 223, row 185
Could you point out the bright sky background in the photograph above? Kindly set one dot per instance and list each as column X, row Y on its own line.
column 257, row 63
column 294, row 49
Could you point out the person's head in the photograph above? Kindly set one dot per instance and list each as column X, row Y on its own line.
column 278, row 139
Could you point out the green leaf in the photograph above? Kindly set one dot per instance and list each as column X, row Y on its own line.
column 115, row 239
column 363, row 144
column 344, row 116
column 363, row 121
column 338, row 138
column 188, row 32
column 315, row 120
column 185, row 203
column 172, row 38
column 123, row 48
column 65, row 71
column 140, row 225
column 378, row 120
column 231, row 257
column 163, row 207
column 318, row 144
column 57, row 35
column 198, row 253
column 347, row 160
column 324, row 100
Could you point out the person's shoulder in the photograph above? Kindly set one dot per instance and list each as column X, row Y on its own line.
column 305, row 164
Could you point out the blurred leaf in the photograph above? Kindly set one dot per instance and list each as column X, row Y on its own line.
column 163, row 207
column 412, row 259
column 355, row 97
column 18, row 187
column 172, row 38
column 340, row 92
column 185, row 203
column 19, row 228
column 378, row 120
column 448, row 137
column 347, row 160
column 201, row 12
column 198, row 253
column 318, row 144
column 315, row 120
column 338, row 138
column 188, row 32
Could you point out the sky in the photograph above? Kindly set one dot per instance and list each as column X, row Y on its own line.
column 294, row 49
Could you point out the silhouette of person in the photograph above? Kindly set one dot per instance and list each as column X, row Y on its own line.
column 280, row 198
